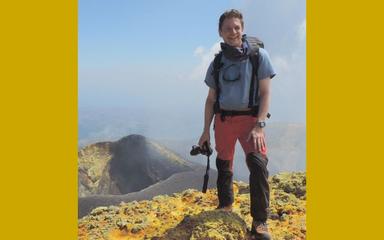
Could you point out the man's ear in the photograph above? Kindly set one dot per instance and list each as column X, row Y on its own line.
column 220, row 33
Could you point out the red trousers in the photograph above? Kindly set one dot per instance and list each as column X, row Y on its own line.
column 227, row 132
column 230, row 130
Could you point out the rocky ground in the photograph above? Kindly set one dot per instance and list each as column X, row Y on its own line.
column 191, row 215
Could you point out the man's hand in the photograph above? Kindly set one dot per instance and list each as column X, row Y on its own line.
column 257, row 136
column 205, row 137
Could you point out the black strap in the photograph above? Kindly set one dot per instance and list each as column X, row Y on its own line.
column 254, row 58
column 206, row 176
column 254, row 44
column 217, row 65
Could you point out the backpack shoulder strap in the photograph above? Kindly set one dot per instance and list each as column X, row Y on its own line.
column 217, row 65
column 254, row 59
column 254, row 44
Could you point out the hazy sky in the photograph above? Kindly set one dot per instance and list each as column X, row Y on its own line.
column 153, row 55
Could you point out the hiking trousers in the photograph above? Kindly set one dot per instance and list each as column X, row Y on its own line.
column 227, row 132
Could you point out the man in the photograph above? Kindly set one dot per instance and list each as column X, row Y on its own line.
column 239, row 116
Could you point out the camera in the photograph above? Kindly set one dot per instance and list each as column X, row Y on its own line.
column 205, row 150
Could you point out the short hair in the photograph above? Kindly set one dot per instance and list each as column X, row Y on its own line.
column 233, row 13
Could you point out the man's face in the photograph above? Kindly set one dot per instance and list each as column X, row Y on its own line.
column 232, row 31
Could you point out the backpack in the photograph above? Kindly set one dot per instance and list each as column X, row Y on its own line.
column 254, row 45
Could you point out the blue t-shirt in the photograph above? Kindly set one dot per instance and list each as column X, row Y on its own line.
column 235, row 80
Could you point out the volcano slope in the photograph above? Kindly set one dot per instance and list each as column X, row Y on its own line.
column 127, row 165
column 133, row 168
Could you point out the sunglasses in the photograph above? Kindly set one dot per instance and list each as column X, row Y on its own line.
column 231, row 73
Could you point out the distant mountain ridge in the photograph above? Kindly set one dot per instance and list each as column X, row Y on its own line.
column 127, row 165
column 286, row 143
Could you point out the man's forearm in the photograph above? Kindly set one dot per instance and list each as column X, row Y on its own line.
column 264, row 106
column 264, row 98
column 208, row 114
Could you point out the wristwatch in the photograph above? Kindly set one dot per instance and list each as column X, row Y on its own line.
column 261, row 124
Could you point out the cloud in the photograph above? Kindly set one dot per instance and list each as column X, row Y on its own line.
column 293, row 60
column 281, row 63
column 302, row 30
column 205, row 58
column 199, row 51
column 289, row 91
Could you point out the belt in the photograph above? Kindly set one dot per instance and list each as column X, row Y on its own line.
column 225, row 113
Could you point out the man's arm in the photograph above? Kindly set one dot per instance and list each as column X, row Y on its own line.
column 208, row 116
column 264, row 88
column 257, row 133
